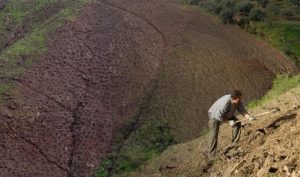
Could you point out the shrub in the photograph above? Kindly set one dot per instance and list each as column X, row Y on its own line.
column 244, row 7
column 256, row 14
column 194, row 2
column 295, row 2
column 288, row 14
column 263, row 3
column 208, row 5
column 243, row 23
column 228, row 4
column 226, row 15
column 218, row 8
column 275, row 9
column 291, row 54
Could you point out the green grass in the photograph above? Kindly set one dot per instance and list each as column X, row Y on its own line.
column 147, row 142
column 4, row 88
column 103, row 170
column 282, row 35
column 280, row 85
column 17, row 10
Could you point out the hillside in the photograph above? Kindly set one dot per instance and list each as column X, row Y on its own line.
column 97, row 87
column 274, row 21
column 269, row 146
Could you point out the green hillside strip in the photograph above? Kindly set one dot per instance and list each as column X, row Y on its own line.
column 18, row 17
column 145, row 143
column 282, row 35
column 16, row 10
column 280, row 85
column 20, row 55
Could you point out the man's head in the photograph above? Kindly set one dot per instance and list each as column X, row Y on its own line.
column 236, row 97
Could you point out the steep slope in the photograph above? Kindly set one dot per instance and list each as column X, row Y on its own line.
column 268, row 146
column 200, row 47
column 118, row 62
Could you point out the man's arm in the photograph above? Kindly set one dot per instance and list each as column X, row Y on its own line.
column 242, row 110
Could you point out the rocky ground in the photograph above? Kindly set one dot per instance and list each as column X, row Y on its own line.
column 269, row 146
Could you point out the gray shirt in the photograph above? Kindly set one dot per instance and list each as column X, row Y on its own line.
column 224, row 109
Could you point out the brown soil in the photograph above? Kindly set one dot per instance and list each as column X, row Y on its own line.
column 66, row 110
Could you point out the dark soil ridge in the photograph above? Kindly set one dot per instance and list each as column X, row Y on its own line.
column 68, row 107
column 138, row 16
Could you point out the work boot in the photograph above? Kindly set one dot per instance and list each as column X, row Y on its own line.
column 229, row 147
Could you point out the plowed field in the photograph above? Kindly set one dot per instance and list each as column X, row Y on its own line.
column 120, row 59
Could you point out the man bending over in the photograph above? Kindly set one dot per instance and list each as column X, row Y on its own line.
column 223, row 110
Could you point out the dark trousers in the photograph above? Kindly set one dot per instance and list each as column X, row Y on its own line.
column 214, row 126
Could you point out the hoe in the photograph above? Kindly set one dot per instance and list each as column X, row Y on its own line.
column 262, row 114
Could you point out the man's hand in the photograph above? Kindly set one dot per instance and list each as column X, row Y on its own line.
column 232, row 123
column 252, row 118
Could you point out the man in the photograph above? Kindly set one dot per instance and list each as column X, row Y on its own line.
column 223, row 110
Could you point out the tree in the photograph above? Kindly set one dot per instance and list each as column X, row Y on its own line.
column 295, row 2
column 288, row 14
column 194, row 2
column 226, row 15
column 244, row 7
column 263, row 3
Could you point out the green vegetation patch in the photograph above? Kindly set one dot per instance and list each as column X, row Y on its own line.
column 283, row 35
column 16, row 10
column 20, row 55
column 4, row 88
column 145, row 143
column 280, row 85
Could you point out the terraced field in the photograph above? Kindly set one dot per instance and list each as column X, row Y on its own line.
column 118, row 64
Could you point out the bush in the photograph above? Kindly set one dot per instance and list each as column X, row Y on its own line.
column 288, row 14
column 256, row 14
column 226, row 15
column 208, row 5
column 263, row 3
column 218, row 8
column 275, row 9
column 244, row 7
column 295, row 2
column 194, row 2
column 243, row 23
column 228, row 4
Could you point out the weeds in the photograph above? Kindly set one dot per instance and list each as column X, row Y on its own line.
column 145, row 143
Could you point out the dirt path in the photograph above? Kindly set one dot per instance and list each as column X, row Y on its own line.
column 65, row 111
